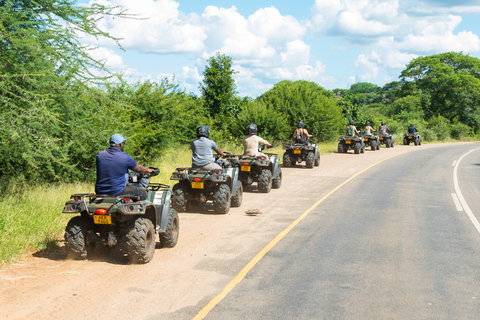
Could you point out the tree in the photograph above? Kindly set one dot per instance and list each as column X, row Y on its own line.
column 218, row 89
column 306, row 101
column 448, row 85
column 42, row 66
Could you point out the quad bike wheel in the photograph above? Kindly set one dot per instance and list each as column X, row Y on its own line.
column 415, row 141
column 75, row 240
column 277, row 180
column 405, row 142
column 265, row 181
column 238, row 195
column 169, row 238
column 357, row 148
column 387, row 143
column 140, row 241
column 362, row 150
column 340, row 148
column 179, row 202
column 221, row 199
column 310, row 160
column 287, row 160
column 317, row 161
column 373, row 145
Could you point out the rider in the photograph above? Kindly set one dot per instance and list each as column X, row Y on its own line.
column 301, row 134
column 251, row 140
column 412, row 129
column 112, row 170
column 351, row 130
column 367, row 130
column 383, row 128
column 202, row 155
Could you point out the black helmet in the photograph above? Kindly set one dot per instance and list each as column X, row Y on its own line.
column 383, row 123
column 300, row 124
column 203, row 131
column 367, row 123
column 411, row 125
column 252, row 128
column 351, row 122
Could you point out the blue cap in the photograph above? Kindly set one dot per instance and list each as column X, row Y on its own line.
column 116, row 138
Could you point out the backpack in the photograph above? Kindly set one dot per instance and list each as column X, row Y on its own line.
column 350, row 131
column 300, row 136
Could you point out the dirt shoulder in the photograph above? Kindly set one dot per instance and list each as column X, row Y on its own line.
column 211, row 250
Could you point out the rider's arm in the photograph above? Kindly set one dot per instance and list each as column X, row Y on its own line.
column 220, row 152
column 141, row 169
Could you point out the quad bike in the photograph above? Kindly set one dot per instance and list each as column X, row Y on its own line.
column 298, row 152
column 372, row 141
column 346, row 143
column 130, row 219
column 197, row 186
column 386, row 139
column 412, row 137
column 264, row 170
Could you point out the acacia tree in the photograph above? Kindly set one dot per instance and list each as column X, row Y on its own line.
column 42, row 67
column 218, row 89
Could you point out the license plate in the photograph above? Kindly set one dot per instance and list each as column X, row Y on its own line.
column 365, row 139
column 197, row 185
column 297, row 151
column 381, row 138
column 102, row 219
column 245, row 168
column 410, row 138
column 348, row 142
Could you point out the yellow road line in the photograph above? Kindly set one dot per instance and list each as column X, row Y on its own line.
column 239, row 277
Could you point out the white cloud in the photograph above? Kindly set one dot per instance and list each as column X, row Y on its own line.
column 367, row 68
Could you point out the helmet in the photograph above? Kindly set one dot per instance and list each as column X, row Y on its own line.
column 411, row 125
column 351, row 122
column 252, row 128
column 300, row 124
column 367, row 123
column 203, row 131
column 383, row 123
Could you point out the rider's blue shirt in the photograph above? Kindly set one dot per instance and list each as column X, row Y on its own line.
column 412, row 130
column 112, row 171
column 202, row 151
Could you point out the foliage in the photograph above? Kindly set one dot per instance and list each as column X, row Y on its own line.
column 306, row 101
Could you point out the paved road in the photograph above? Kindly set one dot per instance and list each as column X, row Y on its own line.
column 388, row 244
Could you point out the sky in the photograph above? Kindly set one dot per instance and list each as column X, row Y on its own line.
column 334, row 43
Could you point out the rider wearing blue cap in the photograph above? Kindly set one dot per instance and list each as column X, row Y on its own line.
column 112, row 169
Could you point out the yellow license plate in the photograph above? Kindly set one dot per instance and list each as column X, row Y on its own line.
column 381, row 138
column 410, row 137
column 245, row 168
column 348, row 142
column 197, row 185
column 102, row 219
column 297, row 151
column 365, row 139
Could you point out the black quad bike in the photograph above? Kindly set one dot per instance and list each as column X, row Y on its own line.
column 129, row 219
column 412, row 137
column 197, row 186
column 298, row 152
column 264, row 170
column 372, row 141
column 346, row 143
column 386, row 139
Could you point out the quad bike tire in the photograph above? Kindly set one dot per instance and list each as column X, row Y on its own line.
column 357, row 147
column 310, row 160
column 378, row 144
column 277, row 180
column 317, row 161
column 169, row 238
column 373, row 145
column 287, row 160
column 405, row 142
column 75, row 242
column 362, row 149
column 140, row 241
column 237, row 197
column 387, row 143
column 265, row 181
column 221, row 199
column 415, row 141
column 179, row 202
column 340, row 148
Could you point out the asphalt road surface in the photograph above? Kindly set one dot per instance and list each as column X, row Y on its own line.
column 390, row 234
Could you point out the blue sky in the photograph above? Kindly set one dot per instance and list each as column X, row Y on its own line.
column 334, row 43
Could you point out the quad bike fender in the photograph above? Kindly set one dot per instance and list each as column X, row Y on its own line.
column 162, row 209
column 273, row 165
column 316, row 151
column 233, row 174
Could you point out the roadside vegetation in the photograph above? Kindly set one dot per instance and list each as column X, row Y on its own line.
column 59, row 106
